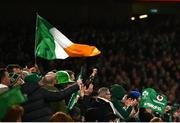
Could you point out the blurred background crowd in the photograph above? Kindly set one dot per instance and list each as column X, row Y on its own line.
column 135, row 54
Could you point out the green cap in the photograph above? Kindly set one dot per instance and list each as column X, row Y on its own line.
column 63, row 77
column 32, row 78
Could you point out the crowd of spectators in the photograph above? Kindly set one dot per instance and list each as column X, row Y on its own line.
column 136, row 54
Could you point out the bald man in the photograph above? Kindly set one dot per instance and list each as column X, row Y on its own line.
column 38, row 108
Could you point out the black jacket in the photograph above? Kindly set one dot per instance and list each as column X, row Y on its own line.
column 98, row 111
column 38, row 106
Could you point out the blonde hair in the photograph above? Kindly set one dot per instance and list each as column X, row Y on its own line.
column 61, row 117
column 156, row 119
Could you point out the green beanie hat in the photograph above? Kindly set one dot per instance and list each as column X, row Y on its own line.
column 63, row 77
column 117, row 91
column 32, row 78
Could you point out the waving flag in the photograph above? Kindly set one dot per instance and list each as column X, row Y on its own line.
column 9, row 98
column 153, row 100
column 52, row 44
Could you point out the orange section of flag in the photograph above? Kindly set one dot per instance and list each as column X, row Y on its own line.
column 79, row 50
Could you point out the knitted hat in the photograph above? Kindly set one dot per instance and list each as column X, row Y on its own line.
column 135, row 94
column 63, row 77
column 117, row 91
column 32, row 78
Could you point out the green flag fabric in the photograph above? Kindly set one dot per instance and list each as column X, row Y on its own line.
column 44, row 40
column 10, row 98
column 153, row 100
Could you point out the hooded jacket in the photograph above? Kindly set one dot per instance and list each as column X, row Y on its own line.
column 118, row 92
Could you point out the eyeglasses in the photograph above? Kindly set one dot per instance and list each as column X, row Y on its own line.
column 108, row 93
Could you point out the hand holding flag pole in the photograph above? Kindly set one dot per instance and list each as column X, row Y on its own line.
column 91, row 78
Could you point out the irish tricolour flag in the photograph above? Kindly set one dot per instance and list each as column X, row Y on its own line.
column 52, row 44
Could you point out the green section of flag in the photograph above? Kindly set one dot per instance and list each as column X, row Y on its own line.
column 10, row 98
column 153, row 100
column 45, row 46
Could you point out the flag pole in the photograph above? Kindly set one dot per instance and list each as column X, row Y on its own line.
column 35, row 39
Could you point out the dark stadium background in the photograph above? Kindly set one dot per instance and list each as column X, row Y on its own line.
column 77, row 19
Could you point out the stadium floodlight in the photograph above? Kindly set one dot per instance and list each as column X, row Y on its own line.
column 143, row 16
column 132, row 18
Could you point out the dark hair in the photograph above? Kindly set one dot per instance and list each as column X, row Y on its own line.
column 144, row 116
column 75, row 111
column 91, row 115
column 11, row 67
column 110, row 117
column 70, row 72
column 2, row 73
